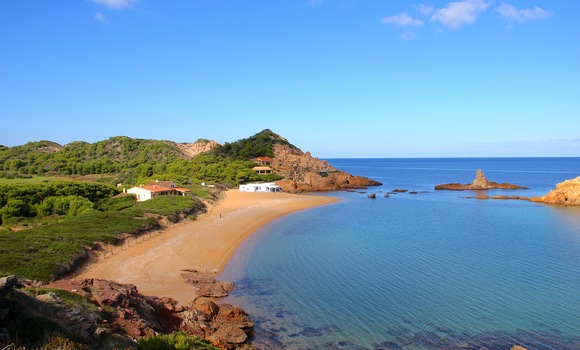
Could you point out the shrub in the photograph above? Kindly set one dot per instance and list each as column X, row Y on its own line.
column 174, row 341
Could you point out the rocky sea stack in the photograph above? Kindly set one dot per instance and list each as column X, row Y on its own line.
column 479, row 183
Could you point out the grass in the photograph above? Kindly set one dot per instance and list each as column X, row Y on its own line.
column 70, row 299
column 48, row 251
column 32, row 180
column 166, row 206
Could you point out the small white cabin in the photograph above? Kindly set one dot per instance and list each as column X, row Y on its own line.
column 260, row 187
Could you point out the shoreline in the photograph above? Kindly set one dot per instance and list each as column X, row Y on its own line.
column 206, row 245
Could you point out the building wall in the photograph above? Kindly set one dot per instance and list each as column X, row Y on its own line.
column 141, row 193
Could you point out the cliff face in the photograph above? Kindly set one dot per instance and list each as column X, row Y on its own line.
column 190, row 150
column 304, row 173
column 566, row 193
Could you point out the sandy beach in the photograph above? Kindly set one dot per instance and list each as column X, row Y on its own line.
column 154, row 264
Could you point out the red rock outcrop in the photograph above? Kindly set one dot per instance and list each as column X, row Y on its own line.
column 304, row 173
column 479, row 183
column 566, row 193
column 133, row 316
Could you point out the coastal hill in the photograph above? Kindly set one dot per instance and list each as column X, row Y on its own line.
column 131, row 161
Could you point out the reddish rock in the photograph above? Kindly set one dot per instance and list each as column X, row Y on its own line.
column 566, row 193
column 372, row 195
column 304, row 173
column 479, row 183
column 126, row 313
column 207, row 308
column 206, row 285
column 232, row 314
column 228, row 336
column 517, row 347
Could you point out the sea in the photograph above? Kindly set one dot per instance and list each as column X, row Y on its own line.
column 423, row 269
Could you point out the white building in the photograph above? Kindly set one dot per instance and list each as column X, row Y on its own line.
column 260, row 187
column 154, row 189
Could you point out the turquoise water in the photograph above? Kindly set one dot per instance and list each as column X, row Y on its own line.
column 432, row 270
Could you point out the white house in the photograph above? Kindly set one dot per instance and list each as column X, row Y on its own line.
column 154, row 189
column 260, row 187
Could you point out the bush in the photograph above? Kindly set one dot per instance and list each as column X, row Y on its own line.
column 60, row 343
column 174, row 341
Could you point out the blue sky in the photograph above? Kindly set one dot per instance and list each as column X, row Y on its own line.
column 431, row 78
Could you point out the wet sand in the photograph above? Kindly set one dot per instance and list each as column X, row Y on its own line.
column 154, row 264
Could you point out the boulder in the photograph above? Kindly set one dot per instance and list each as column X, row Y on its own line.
column 206, row 285
column 234, row 315
column 206, row 307
column 228, row 336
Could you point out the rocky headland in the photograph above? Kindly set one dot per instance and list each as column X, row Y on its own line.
column 566, row 193
column 478, row 184
column 304, row 173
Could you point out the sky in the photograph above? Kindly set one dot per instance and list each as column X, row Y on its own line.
column 338, row 78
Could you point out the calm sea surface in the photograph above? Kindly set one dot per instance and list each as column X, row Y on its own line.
column 432, row 270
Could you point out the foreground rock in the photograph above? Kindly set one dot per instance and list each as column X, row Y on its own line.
column 566, row 193
column 121, row 311
column 304, row 173
column 479, row 183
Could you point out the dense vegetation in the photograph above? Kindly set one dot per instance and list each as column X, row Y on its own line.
column 131, row 160
column 64, row 217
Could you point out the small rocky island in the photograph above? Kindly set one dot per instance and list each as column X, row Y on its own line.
column 479, row 183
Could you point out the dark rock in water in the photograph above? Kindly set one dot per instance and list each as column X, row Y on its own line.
column 398, row 190
column 387, row 195
column 206, row 285
column 228, row 336
column 479, row 183
column 372, row 195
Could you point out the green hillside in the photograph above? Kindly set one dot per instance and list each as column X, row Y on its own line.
column 132, row 161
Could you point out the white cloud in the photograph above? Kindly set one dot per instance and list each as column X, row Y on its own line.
column 513, row 14
column 101, row 18
column 456, row 14
column 425, row 10
column 115, row 4
column 402, row 20
column 408, row 36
